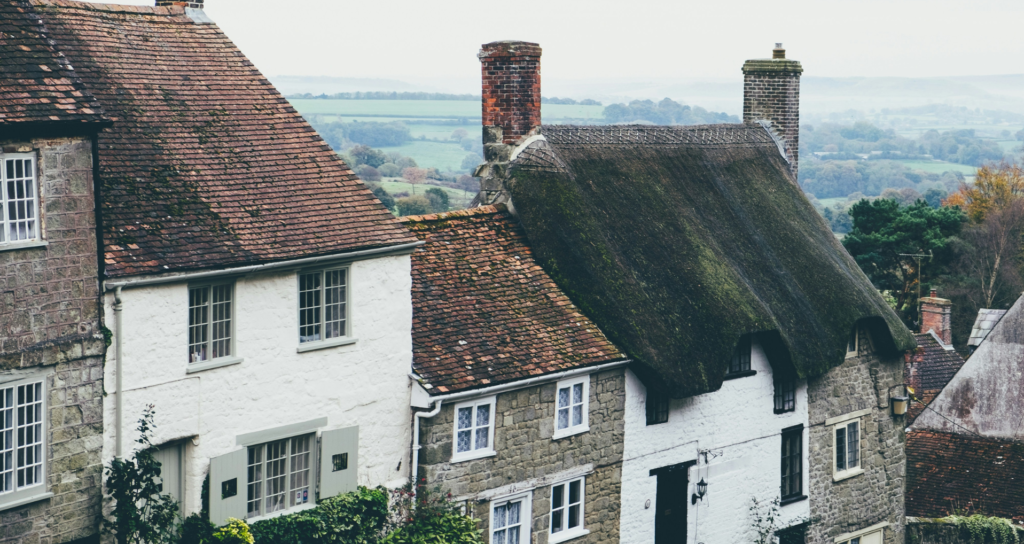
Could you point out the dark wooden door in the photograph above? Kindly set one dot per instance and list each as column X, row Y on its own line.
column 670, row 516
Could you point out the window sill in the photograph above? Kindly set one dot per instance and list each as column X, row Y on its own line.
column 792, row 500
column 285, row 512
column 571, row 431
column 840, row 476
column 482, row 454
column 567, row 535
column 851, row 354
column 27, row 500
column 743, row 374
column 23, row 245
column 210, row 365
column 324, row 344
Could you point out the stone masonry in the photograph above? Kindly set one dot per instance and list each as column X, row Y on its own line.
column 771, row 92
column 524, row 424
column 50, row 323
column 876, row 495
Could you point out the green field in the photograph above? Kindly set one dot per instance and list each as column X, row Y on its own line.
column 456, row 199
column 384, row 110
column 443, row 156
column 938, row 167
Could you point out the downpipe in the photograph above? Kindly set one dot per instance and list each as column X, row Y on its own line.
column 117, row 365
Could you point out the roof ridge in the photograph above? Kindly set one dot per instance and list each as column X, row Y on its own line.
column 457, row 214
column 115, row 8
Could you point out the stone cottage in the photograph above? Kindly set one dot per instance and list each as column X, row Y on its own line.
column 519, row 397
column 965, row 453
column 51, row 336
column 762, row 358
column 246, row 273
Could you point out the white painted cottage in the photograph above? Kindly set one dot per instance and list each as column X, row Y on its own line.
column 257, row 294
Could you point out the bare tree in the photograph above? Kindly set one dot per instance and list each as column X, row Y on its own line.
column 991, row 257
column 414, row 176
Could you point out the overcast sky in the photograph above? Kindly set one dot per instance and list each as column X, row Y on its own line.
column 406, row 39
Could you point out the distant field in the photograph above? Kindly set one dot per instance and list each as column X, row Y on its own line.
column 831, row 202
column 456, row 198
column 438, row 155
column 938, row 167
column 427, row 109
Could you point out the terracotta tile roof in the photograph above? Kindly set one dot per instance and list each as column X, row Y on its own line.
column 37, row 83
column 206, row 164
column 484, row 312
column 947, row 472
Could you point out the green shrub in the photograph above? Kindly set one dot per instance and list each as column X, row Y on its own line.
column 413, row 205
column 979, row 529
column 429, row 517
column 235, row 532
column 352, row 518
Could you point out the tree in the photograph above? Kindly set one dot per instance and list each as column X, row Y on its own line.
column 458, row 134
column 990, row 257
column 142, row 515
column 415, row 176
column 367, row 155
column 995, row 187
column 471, row 161
column 385, row 197
column 368, row 173
column 438, row 199
column 413, row 205
column 883, row 230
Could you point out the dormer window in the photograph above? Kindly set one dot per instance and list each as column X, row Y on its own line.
column 739, row 366
column 853, row 343
column 19, row 197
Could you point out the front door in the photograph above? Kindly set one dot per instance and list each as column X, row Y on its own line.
column 670, row 516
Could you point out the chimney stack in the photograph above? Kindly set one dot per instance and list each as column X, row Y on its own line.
column 197, row 4
column 511, row 90
column 935, row 317
column 771, row 92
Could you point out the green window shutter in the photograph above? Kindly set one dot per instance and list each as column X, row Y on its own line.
column 339, row 461
column 228, row 484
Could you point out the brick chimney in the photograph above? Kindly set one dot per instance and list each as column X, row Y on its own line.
column 510, row 111
column 771, row 92
column 511, row 90
column 197, row 4
column 935, row 316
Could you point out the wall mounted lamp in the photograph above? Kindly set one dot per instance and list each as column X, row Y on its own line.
column 702, row 489
column 900, row 403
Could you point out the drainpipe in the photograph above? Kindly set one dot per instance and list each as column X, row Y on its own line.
column 117, row 365
column 416, row 440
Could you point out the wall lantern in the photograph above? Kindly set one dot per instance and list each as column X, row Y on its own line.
column 900, row 403
column 702, row 489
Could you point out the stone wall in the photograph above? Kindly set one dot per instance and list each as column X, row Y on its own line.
column 524, row 424
column 50, row 324
column 876, row 495
column 771, row 91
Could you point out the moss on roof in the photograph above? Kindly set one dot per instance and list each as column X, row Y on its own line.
column 677, row 241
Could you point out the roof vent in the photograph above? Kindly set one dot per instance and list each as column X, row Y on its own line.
column 778, row 52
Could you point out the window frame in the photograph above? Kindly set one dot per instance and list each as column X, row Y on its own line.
column 36, row 207
column 474, row 453
column 312, row 468
column 232, row 356
column 525, row 516
column 742, row 359
column 347, row 337
column 40, row 490
column 843, row 423
column 790, row 433
column 780, row 385
column 858, row 536
column 584, row 425
column 854, row 341
column 657, row 406
column 565, row 532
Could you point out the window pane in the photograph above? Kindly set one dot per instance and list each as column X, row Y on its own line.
column 464, row 441
column 574, row 516
column 483, row 414
column 221, row 309
column 481, row 438
column 299, row 484
column 465, row 418
column 255, row 486
column 853, row 434
column 563, row 397
column 334, row 303
column 276, row 475
column 6, row 439
column 198, row 323
column 577, row 393
column 851, row 344
column 577, row 415
column 309, row 307
column 574, row 492
column 513, row 513
column 499, row 517
column 563, row 418
column 513, row 535
column 558, row 496
column 29, row 454
column 841, row 449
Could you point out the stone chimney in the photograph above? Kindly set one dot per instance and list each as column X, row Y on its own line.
column 197, row 4
column 935, row 317
column 771, row 92
column 510, row 110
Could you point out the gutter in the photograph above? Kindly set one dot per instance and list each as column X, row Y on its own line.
column 402, row 249
column 437, row 401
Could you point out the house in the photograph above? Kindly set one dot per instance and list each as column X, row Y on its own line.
column 930, row 367
column 520, row 397
column 51, row 335
column 966, row 452
column 762, row 359
column 258, row 295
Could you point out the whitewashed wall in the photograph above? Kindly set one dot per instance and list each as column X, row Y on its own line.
column 738, row 424
column 364, row 384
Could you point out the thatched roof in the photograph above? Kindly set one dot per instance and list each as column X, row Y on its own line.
column 677, row 241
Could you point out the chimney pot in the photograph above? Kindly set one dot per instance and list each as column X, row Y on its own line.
column 778, row 52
